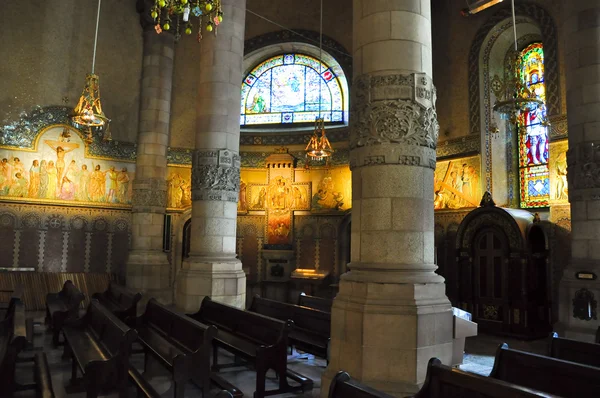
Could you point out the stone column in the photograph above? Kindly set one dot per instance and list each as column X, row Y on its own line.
column 148, row 269
column 582, row 60
column 391, row 314
column 212, row 268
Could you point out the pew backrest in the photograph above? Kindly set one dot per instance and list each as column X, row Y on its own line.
column 110, row 331
column 123, row 296
column 443, row 381
column 255, row 327
column 303, row 317
column 547, row 374
column 182, row 329
column 575, row 351
column 318, row 303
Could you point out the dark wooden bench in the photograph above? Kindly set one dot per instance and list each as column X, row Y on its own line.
column 444, row 382
column 99, row 344
column 554, row 376
column 342, row 386
column 61, row 307
column 120, row 301
column 257, row 339
column 311, row 330
column 575, row 351
column 12, row 341
column 317, row 303
column 17, row 292
column 179, row 343
column 42, row 377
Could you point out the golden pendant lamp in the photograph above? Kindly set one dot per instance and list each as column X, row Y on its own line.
column 88, row 112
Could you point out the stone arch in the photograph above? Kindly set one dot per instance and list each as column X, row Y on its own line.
column 488, row 55
column 549, row 37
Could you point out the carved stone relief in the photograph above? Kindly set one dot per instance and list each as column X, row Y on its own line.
column 216, row 175
column 149, row 193
column 584, row 169
column 394, row 109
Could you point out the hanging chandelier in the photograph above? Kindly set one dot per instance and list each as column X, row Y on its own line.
column 517, row 96
column 88, row 112
column 208, row 12
column 319, row 147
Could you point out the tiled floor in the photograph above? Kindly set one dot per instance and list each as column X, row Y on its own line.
column 479, row 358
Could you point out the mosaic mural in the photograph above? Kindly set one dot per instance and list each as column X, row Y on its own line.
column 457, row 183
column 59, row 169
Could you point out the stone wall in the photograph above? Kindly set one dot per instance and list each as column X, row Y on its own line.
column 47, row 48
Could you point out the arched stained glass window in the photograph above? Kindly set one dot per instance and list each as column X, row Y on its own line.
column 292, row 88
column 533, row 132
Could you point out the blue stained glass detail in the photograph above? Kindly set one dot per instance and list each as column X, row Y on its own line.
column 291, row 88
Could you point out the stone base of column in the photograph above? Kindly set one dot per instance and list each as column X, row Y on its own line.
column 149, row 272
column 223, row 281
column 384, row 334
column 569, row 326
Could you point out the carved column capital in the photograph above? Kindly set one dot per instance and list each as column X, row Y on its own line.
column 215, row 175
column 149, row 195
column 394, row 116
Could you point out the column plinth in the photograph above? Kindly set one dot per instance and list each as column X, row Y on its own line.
column 582, row 42
column 212, row 268
column 391, row 314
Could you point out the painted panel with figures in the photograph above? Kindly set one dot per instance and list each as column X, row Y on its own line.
column 59, row 170
column 457, row 183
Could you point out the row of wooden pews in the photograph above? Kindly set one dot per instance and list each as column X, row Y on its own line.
column 100, row 343
column 14, row 340
column 571, row 370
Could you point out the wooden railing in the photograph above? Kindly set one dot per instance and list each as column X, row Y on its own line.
column 37, row 284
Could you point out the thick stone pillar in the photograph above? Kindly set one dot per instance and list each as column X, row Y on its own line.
column 148, row 268
column 582, row 60
column 212, row 268
column 391, row 314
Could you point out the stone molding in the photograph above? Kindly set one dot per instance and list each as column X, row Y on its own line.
column 215, row 175
column 399, row 154
column 149, row 192
column 394, row 109
column 583, row 174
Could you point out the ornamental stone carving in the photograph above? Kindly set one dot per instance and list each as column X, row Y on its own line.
column 149, row 193
column 584, row 166
column 215, row 175
column 394, row 109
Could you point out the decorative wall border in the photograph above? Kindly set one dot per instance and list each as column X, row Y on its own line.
column 22, row 134
column 458, row 146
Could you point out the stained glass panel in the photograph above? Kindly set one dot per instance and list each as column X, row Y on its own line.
column 533, row 133
column 291, row 88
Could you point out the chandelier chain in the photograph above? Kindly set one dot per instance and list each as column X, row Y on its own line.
column 96, row 36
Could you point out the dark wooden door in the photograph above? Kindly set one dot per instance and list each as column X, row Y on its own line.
column 490, row 280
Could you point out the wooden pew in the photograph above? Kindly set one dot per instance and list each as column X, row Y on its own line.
column 575, row 351
column 17, row 292
column 443, row 381
column 554, row 376
column 179, row 343
column 311, row 329
column 42, row 377
column 120, row 301
column 99, row 344
column 257, row 339
column 12, row 341
column 317, row 303
column 61, row 307
column 342, row 386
